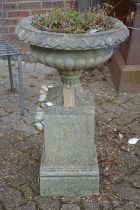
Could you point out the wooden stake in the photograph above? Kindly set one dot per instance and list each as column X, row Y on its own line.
column 69, row 96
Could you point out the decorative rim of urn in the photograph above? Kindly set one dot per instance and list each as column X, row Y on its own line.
column 83, row 41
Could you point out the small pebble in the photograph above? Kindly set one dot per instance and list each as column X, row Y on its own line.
column 42, row 97
column 45, row 88
column 39, row 116
column 39, row 126
column 50, row 86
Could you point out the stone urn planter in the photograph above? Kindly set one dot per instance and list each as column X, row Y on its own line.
column 69, row 164
column 71, row 54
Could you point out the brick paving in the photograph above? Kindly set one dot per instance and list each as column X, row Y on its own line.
column 117, row 120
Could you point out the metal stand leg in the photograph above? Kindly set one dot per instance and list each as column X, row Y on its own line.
column 21, row 94
column 10, row 73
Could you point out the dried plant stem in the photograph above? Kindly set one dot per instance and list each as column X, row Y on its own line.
column 116, row 5
column 137, row 29
column 73, row 4
column 65, row 5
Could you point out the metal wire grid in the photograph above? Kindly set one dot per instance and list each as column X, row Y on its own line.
column 6, row 49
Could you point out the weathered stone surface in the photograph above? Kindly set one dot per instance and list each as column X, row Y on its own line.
column 71, row 199
column 127, row 192
column 106, row 205
column 128, row 158
column 10, row 197
column 134, row 180
column 77, row 52
column 129, row 206
column 71, row 65
column 28, row 33
column 27, row 206
column 27, row 191
column 71, row 160
column 70, row 207
column 47, row 203
column 69, row 164
column 91, row 206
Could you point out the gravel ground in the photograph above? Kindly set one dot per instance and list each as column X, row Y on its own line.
column 117, row 121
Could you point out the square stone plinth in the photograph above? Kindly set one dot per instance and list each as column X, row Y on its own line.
column 69, row 163
column 126, row 78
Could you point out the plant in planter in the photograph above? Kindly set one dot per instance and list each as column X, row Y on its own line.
column 71, row 42
column 68, row 20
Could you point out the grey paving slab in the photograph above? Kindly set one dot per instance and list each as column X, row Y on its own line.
column 70, row 207
column 47, row 203
column 92, row 205
column 129, row 206
column 129, row 193
column 27, row 206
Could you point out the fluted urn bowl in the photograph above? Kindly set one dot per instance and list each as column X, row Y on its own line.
column 71, row 54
